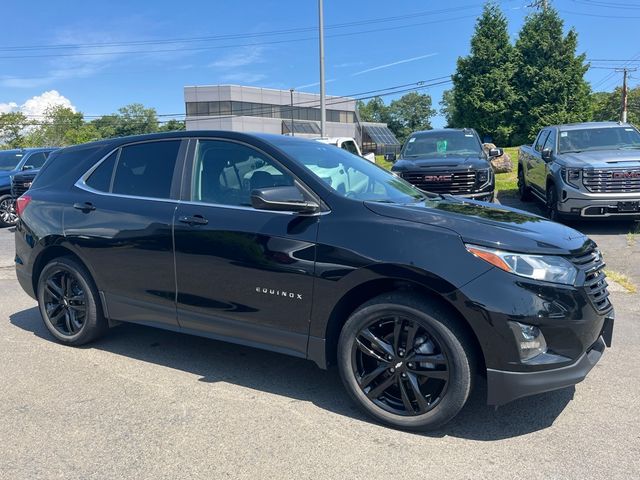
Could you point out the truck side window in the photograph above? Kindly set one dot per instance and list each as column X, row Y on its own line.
column 551, row 141
column 541, row 139
column 350, row 147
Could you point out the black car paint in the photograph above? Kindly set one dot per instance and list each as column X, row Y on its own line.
column 286, row 281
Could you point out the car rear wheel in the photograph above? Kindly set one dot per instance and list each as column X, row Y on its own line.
column 68, row 301
column 406, row 362
column 523, row 190
column 8, row 215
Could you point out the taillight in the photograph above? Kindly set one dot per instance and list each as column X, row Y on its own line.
column 21, row 204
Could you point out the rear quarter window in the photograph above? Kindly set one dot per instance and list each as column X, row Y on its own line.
column 65, row 166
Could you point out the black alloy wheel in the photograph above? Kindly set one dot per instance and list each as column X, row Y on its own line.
column 65, row 302
column 69, row 302
column 400, row 365
column 552, row 204
column 407, row 361
column 8, row 215
column 523, row 190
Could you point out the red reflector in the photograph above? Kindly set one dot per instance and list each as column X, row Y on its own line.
column 21, row 204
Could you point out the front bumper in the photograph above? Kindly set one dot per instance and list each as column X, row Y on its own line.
column 504, row 387
column 484, row 196
column 574, row 202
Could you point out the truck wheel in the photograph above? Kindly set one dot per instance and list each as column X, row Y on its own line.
column 68, row 301
column 523, row 190
column 406, row 362
column 8, row 215
column 552, row 204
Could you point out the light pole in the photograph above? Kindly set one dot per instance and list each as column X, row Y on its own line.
column 291, row 92
column 323, row 116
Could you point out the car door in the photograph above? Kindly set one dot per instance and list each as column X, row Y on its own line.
column 536, row 167
column 242, row 274
column 119, row 221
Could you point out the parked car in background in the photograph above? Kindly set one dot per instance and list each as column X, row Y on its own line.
column 447, row 161
column 11, row 163
column 583, row 170
column 349, row 144
column 254, row 239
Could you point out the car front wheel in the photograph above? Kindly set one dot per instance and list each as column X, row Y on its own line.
column 406, row 362
column 8, row 215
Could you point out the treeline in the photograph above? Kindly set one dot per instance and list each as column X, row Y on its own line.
column 61, row 126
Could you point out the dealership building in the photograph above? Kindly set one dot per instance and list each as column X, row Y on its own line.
column 254, row 109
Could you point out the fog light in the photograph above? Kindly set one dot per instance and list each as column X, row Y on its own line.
column 529, row 339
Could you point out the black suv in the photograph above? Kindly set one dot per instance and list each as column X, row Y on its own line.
column 448, row 161
column 303, row 248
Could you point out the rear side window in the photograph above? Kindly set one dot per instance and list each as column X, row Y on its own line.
column 64, row 166
column 100, row 179
column 36, row 160
column 146, row 169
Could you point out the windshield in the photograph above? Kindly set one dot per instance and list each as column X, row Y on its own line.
column 351, row 176
column 438, row 144
column 9, row 160
column 611, row 138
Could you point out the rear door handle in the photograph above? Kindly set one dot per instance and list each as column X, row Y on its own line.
column 85, row 207
column 193, row 220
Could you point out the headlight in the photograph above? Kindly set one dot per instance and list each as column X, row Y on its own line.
column 483, row 176
column 549, row 268
column 572, row 176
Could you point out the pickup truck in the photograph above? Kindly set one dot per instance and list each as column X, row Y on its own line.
column 584, row 170
column 349, row 144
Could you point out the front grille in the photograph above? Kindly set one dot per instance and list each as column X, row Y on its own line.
column 18, row 188
column 612, row 181
column 595, row 283
column 456, row 183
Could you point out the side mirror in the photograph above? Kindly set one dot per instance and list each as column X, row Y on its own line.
column 27, row 167
column 496, row 152
column 390, row 157
column 282, row 199
column 546, row 154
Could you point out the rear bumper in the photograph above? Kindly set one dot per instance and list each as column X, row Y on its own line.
column 504, row 387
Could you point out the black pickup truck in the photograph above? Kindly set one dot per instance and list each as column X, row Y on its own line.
column 448, row 161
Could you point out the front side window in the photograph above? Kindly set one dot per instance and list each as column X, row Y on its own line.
column 225, row 173
column 551, row 141
column 36, row 160
column 350, row 147
column 141, row 170
column 9, row 160
column 350, row 175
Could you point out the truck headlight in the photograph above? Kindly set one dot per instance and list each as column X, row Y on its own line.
column 549, row 268
column 572, row 176
column 483, row 176
column 529, row 339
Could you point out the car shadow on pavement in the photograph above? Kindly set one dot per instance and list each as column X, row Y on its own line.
column 301, row 380
column 588, row 227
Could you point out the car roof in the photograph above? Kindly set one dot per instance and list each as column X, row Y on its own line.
column 30, row 149
column 587, row 125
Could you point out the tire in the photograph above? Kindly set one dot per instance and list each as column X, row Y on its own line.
column 77, row 319
column 523, row 190
column 8, row 215
column 552, row 204
column 419, row 395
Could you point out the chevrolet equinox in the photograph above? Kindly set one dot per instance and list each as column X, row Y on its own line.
column 302, row 248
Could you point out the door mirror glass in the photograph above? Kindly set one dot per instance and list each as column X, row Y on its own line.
column 282, row 199
column 496, row 152
column 546, row 154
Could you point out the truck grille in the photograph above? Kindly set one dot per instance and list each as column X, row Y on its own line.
column 18, row 188
column 443, row 182
column 595, row 283
column 612, row 181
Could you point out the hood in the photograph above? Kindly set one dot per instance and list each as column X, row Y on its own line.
column 438, row 163
column 603, row 159
column 5, row 177
column 490, row 225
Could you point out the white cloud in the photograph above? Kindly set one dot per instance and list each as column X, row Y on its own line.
column 315, row 84
column 37, row 105
column 240, row 58
column 387, row 65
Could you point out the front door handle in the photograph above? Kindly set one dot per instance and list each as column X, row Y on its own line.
column 85, row 207
column 193, row 220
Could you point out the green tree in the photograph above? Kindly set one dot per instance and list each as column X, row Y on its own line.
column 410, row 113
column 56, row 129
column 607, row 105
column 172, row 125
column 12, row 129
column 106, row 125
column 136, row 119
column 447, row 107
column 373, row 111
column 549, row 76
column 483, row 94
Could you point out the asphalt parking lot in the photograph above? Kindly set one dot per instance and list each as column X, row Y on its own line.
column 144, row 403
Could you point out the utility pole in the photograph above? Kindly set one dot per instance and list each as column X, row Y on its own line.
column 625, row 92
column 291, row 92
column 323, row 113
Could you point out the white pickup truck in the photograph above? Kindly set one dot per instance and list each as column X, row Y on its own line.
column 348, row 144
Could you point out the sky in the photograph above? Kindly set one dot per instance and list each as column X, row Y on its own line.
column 98, row 56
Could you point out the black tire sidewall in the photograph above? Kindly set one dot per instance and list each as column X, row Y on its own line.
column 4, row 224
column 552, row 204
column 95, row 323
column 460, row 365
